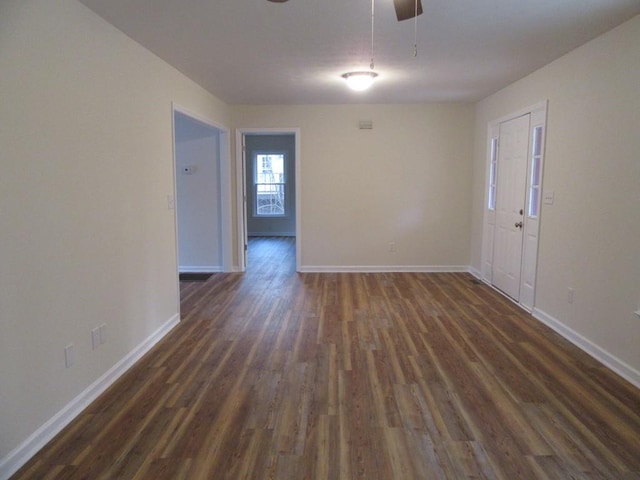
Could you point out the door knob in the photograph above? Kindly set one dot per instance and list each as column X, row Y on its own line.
column 519, row 224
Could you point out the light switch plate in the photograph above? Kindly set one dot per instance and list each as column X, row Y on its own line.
column 548, row 197
column 103, row 333
column 95, row 338
column 69, row 355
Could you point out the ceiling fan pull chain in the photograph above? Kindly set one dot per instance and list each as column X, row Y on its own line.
column 415, row 31
column 372, row 21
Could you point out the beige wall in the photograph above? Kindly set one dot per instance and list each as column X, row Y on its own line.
column 590, row 236
column 406, row 181
column 86, row 237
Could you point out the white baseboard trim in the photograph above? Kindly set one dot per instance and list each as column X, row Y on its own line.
column 476, row 273
column 607, row 359
column 38, row 439
column 383, row 268
column 210, row 269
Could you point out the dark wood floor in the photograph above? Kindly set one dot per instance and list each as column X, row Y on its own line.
column 273, row 374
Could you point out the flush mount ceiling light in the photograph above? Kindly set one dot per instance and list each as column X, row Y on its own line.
column 359, row 81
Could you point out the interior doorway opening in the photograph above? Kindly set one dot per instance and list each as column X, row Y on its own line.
column 268, row 182
column 270, row 185
column 198, row 196
column 201, row 194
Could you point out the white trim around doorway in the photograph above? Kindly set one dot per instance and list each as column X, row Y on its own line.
column 226, row 224
column 240, row 188
column 538, row 114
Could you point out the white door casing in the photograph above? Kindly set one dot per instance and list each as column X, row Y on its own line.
column 489, row 205
column 225, row 177
column 500, row 246
column 533, row 207
column 241, row 187
column 245, row 237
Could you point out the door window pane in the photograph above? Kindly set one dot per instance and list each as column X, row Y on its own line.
column 493, row 165
column 536, row 172
column 537, row 140
column 534, row 201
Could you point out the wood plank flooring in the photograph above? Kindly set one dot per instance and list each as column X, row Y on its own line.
column 277, row 375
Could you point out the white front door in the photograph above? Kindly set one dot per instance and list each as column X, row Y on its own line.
column 510, row 204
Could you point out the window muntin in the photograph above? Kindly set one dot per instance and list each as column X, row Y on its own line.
column 269, row 185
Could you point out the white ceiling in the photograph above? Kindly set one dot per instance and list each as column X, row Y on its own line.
column 258, row 52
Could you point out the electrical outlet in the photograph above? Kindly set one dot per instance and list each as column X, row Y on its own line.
column 69, row 355
column 103, row 333
column 392, row 247
column 95, row 338
column 171, row 203
column 570, row 295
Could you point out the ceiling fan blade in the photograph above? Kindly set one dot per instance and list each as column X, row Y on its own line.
column 406, row 9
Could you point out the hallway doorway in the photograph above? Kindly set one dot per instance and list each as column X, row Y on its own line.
column 268, row 184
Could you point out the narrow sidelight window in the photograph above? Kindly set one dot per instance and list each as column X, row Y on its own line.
column 536, row 173
column 493, row 167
